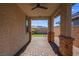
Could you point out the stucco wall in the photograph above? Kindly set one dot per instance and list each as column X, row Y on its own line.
column 12, row 29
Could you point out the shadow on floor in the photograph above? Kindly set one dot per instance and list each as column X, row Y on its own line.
column 55, row 48
column 22, row 49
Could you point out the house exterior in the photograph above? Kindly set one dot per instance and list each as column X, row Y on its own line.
column 75, row 19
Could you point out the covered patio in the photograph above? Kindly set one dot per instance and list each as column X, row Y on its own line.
column 18, row 25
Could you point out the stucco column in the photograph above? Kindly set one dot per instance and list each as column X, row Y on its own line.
column 52, row 29
column 29, row 29
column 49, row 29
column 66, row 41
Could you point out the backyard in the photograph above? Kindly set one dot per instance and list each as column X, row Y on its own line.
column 39, row 35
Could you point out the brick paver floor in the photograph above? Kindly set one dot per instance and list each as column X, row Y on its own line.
column 39, row 46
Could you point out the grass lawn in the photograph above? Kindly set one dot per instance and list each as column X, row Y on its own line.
column 39, row 35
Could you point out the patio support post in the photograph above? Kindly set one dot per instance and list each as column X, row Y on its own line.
column 52, row 29
column 30, row 32
column 66, row 41
column 49, row 29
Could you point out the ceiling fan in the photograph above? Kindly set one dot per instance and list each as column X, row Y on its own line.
column 39, row 6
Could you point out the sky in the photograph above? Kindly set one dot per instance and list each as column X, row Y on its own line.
column 75, row 8
column 40, row 23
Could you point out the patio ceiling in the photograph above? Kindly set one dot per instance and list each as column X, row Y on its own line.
column 27, row 8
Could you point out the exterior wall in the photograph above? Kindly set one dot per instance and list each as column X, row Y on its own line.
column 56, row 35
column 75, row 34
column 40, row 30
column 56, row 31
column 75, row 22
column 12, row 29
